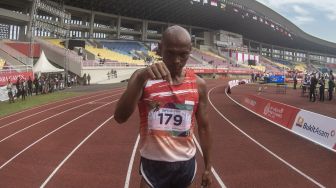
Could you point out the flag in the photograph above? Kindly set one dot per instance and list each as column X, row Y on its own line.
column 223, row 6
column 214, row 3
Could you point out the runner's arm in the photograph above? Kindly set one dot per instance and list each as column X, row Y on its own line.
column 204, row 130
column 129, row 99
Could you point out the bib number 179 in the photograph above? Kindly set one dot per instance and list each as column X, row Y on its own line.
column 166, row 118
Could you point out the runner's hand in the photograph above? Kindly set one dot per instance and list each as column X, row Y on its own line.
column 206, row 179
column 158, row 71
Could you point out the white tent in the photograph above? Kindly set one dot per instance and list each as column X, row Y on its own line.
column 44, row 66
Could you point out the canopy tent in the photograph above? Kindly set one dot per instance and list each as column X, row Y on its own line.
column 44, row 66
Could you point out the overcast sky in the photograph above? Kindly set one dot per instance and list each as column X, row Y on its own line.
column 315, row 17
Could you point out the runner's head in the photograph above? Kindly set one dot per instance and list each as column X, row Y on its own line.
column 175, row 48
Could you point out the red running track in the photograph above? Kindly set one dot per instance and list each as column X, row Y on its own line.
column 76, row 143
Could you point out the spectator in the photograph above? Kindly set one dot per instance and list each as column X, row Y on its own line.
column 88, row 79
column 322, row 87
column 10, row 91
column 331, row 86
column 36, row 84
column 30, row 86
column 108, row 75
column 295, row 80
column 23, row 86
column 312, row 88
column 18, row 88
column 84, row 79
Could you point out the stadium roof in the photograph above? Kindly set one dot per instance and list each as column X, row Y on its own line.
column 196, row 14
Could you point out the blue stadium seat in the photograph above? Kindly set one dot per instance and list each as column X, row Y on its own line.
column 124, row 47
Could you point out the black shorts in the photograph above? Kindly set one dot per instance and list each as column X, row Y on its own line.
column 159, row 174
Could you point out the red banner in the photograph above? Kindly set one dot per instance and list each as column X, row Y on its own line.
column 13, row 76
column 277, row 112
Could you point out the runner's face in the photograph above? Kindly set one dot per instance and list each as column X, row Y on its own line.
column 175, row 54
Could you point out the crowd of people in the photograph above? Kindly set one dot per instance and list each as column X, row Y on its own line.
column 326, row 81
column 112, row 74
column 43, row 84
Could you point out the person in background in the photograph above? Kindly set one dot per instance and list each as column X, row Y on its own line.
column 331, row 86
column 23, row 86
column 295, row 80
column 322, row 88
column 312, row 88
column 30, row 86
column 36, row 84
column 88, row 79
column 18, row 88
column 10, row 91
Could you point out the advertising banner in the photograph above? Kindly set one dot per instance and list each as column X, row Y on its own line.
column 277, row 79
column 316, row 127
column 13, row 76
column 3, row 93
column 277, row 112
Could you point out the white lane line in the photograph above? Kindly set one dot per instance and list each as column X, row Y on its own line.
column 50, row 109
column 219, row 180
column 72, row 152
column 44, row 105
column 37, row 141
column 263, row 147
column 130, row 165
column 17, row 132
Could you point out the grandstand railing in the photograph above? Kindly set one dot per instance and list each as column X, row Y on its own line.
column 20, row 68
column 107, row 64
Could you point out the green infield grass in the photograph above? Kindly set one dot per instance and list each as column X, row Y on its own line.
column 19, row 105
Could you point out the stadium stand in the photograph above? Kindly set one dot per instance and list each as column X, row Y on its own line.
column 301, row 67
column 12, row 56
column 209, row 57
column 56, row 42
column 2, row 63
column 124, row 47
column 103, row 53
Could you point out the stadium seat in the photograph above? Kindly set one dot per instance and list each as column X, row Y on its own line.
column 112, row 55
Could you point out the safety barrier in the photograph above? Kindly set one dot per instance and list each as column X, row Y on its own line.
column 309, row 125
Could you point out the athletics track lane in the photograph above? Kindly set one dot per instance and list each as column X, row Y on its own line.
column 50, row 107
column 312, row 159
column 33, row 164
column 24, row 113
column 253, row 168
column 46, row 115
column 237, row 167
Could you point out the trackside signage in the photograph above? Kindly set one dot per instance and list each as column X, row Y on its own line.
column 316, row 127
column 13, row 77
column 277, row 112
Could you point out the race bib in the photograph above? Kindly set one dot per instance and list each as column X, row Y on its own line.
column 175, row 121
